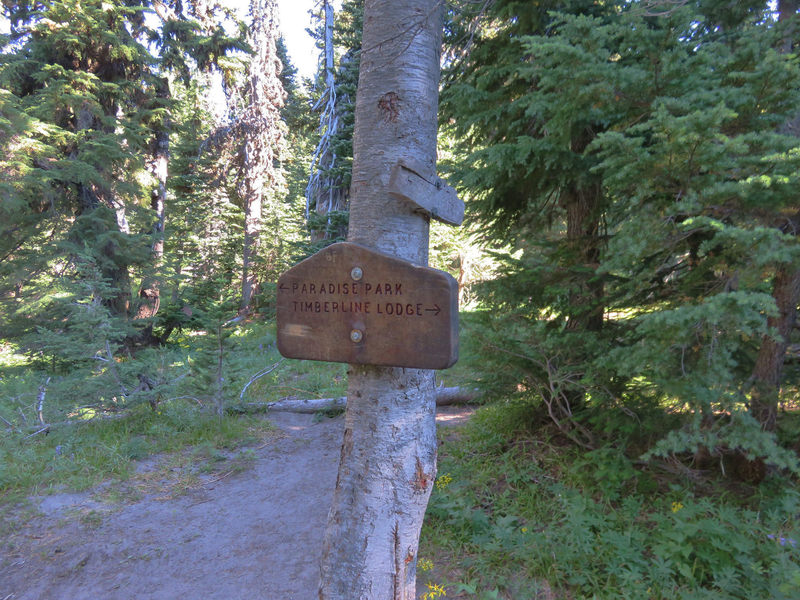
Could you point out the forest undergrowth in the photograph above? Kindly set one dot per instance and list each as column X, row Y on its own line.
column 72, row 433
column 518, row 510
column 629, row 271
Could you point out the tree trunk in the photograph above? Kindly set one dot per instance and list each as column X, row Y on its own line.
column 581, row 203
column 150, row 290
column 786, row 289
column 94, row 197
column 252, row 232
column 388, row 457
column 583, row 237
column 769, row 362
column 261, row 127
column 787, row 12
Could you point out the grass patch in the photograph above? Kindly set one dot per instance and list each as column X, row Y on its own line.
column 80, row 455
column 514, row 514
column 97, row 434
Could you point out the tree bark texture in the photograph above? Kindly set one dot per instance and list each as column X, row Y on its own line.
column 388, row 456
column 582, row 206
column 769, row 362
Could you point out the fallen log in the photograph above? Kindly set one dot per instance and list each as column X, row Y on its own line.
column 307, row 405
column 444, row 396
column 455, row 395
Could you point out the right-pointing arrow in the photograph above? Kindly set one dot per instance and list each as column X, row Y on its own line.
column 435, row 310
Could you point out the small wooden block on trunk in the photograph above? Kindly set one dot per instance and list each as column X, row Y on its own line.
column 350, row 304
column 410, row 183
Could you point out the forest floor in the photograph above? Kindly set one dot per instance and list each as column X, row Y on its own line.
column 250, row 528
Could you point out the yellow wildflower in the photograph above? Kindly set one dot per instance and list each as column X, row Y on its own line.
column 434, row 591
column 425, row 564
column 443, row 481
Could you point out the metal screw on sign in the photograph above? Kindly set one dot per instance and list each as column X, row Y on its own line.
column 356, row 335
column 356, row 273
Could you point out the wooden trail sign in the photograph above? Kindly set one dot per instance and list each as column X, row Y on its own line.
column 350, row 304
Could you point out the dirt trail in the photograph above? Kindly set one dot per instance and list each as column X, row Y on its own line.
column 250, row 535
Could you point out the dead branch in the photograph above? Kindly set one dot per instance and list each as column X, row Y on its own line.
column 445, row 396
column 258, row 376
column 185, row 398
column 661, row 8
column 304, row 406
column 40, row 400
column 453, row 54
column 558, row 406
column 555, row 400
column 44, row 429
column 10, row 425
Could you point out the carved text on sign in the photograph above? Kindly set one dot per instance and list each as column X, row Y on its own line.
column 351, row 304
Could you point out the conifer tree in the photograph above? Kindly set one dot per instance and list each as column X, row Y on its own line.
column 663, row 124
column 261, row 130
column 85, row 93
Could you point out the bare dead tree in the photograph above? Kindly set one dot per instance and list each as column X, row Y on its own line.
column 324, row 191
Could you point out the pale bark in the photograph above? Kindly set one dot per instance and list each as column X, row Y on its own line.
column 307, row 406
column 40, row 401
column 388, row 457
